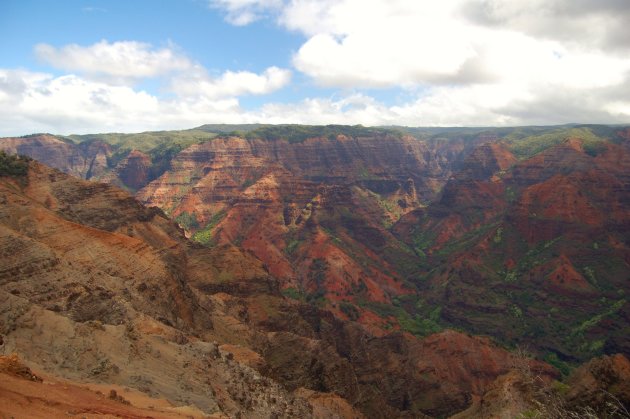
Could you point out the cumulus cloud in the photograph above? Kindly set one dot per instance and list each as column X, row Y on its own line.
column 101, row 91
column 230, row 83
column 456, row 62
column 37, row 102
column 378, row 43
column 124, row 60
column 475, row 62
column 127, row 62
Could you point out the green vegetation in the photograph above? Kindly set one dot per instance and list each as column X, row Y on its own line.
column 516, row 311
column 161, row 146
column 187, row 221
column 292, row 245
column 146, row 141
column 511, row 276
column 526, row 146
column 421, row 326
column 416, row 324
column 205, row 236
column 298, row 133
column 498, row 235
column 584, row 326
column 161, row 157
column 589, row 273
column 228, row 128
column 13, row 165
column 292, row 293
column 510, row 194
column 534, row 257
column 552, row 359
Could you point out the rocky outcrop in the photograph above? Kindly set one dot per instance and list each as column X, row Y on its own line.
column 598, row 388
column 86, row 160
column 132, row 172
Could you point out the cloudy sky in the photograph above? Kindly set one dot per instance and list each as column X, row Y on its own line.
column 79, row 66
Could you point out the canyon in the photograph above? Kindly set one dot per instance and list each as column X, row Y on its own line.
column 327, row 271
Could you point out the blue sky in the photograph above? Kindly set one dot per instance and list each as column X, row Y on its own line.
column 78, row 66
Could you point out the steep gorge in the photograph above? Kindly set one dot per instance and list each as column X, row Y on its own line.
column 99, row 289
column 522, row 238
column 316, row 212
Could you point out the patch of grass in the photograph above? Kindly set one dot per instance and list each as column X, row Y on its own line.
column 498, row 236
column 531, row 145
column 292, row 293
column 552, row 359
column 584, row 326
column 205, row 236
column 589, row 273
column 292, row 246
column 560, row 387
column 511, row 276
column 415, row 324
column 510, row 194
column 147, row 141
column 298, row 133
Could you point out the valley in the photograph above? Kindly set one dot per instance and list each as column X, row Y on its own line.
column 324, row 271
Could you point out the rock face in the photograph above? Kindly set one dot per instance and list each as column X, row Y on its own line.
column 316, row 212
column 111, row 158
column 97, row 288
column 132, row 172
column 325, row 270
column 87, row 160
column 540, row 241
column 221, row 170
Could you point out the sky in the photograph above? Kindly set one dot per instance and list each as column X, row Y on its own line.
column 88, row 66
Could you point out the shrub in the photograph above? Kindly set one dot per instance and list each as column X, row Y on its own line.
column 13, row 165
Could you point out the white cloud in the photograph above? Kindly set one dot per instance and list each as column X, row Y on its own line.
column 476, row 62
column 36, row 102
column 394, row 43
column 583, row 23
column 458, row 62
column 127, row 62
column 121, row 61
column 100, row 92
column 230, row 83
column 71, row 104
column 244, row 12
